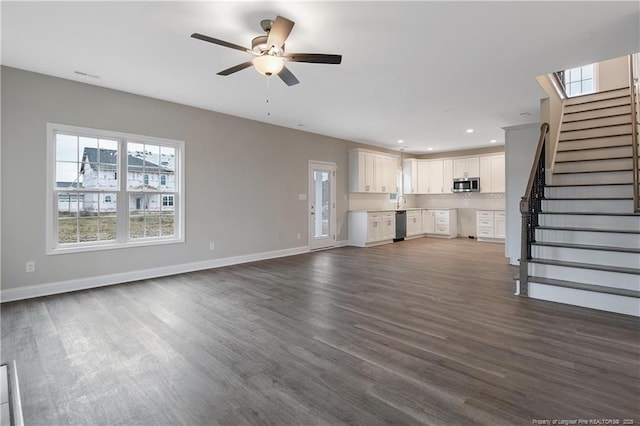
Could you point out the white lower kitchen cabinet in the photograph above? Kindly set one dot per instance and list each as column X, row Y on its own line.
column 440, row 223
column 490, row 225
column 369, row 228
column 414, row 223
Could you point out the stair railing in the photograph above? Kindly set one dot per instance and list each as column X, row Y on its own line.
column 558, row 82
column 633, row 89
column 530, row 207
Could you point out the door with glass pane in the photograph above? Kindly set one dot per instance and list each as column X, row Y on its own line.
column 322, row 205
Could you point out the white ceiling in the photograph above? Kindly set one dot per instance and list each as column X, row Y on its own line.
column 423, row 72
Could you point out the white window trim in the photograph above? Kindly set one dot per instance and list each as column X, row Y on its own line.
column 122, row 241
column 596, row 80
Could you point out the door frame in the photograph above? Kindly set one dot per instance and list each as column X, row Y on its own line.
column 330, row 240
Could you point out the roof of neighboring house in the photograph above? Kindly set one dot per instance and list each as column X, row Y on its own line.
column 109, row 160
column 68, row 185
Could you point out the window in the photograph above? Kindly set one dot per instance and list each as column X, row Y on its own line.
column 90, row 209
column 167, row 200
column 580, row 81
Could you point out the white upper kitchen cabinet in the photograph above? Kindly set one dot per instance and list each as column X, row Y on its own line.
column 410, row 176
column 389, row 179
column 370, row 171
column 466, row 167
column 447, row 176
column 436, row 176
column 423, row 177
column 492, row 173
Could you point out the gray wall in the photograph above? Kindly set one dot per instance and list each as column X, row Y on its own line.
column 242, row 178
column 520, row 147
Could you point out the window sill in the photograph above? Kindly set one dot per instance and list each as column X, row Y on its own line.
column 113, row 246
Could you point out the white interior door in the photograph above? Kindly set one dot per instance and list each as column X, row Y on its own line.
column 322, row 205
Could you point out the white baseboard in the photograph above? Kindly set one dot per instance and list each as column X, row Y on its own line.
column 12, row 294
column 342, row 243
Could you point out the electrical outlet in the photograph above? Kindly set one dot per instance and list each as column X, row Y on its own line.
column 298, row 236
column 30, row 266
column 212, row 246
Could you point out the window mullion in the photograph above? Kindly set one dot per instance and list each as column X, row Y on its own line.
column 122, row 209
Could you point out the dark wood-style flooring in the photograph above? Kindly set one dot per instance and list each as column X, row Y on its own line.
column 423, row 331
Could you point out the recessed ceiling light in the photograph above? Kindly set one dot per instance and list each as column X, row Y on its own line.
column 400, row 141
column 493, row 141
column 429, row 149
column 469, row 130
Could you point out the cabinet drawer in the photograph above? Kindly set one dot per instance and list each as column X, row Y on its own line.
column 442, row 221
column 442, row 229
column 442, row 214
column 484, row 222
column 485, row 214
column 373, row 216
column 485, row 232
column 499, row 214
column 413, row 213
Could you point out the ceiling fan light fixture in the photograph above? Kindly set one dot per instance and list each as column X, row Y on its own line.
column 268, row 64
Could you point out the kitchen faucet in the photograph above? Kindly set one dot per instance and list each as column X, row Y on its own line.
column 398, row 201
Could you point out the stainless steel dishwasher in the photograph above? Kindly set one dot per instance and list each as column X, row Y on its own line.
column 401, row 225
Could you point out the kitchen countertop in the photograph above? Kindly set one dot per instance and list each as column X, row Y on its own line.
column 395, row 210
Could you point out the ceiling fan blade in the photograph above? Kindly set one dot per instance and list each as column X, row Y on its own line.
column 237, row 68
column 280, row 30
column 315, row 58
column 219, row 42
column 288, row 77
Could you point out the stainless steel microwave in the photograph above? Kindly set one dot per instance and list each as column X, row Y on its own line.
column 466, row 185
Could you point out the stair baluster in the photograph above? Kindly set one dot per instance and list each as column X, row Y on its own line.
column 530, row 207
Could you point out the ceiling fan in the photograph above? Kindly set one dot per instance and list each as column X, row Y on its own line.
column 269, row 51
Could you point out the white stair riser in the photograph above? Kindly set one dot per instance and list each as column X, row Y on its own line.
column 589, row 191
column 591, row 238
column 592, row 154
column 605, row 103
column 587, row 206
column 615, row 93
column 595, row 143
column 628, row 223
column 586, row 276
column 597, row 113
column 589, row 166
column 588, row 299
column 594, row 257
column 596, row 133
column 596, row 122
column 592, row 178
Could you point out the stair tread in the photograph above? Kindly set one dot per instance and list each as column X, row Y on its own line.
column 617, row 157
column 579, row 97
column 624, row 145
column 608, row 268
column 626, row 133
column 579, row 229
column 597, row 108
column 602, row 126
column 615, row 214
column 587, row 247
column 595, row 118
column 593, row 171
column 588, row 198
column 584, row 286
column 587, row 184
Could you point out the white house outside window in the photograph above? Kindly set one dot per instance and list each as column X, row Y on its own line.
column 90, row 209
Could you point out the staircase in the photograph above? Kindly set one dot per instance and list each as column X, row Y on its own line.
column 587, row 243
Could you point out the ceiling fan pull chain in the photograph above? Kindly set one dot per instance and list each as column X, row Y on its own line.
column 268, row 95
